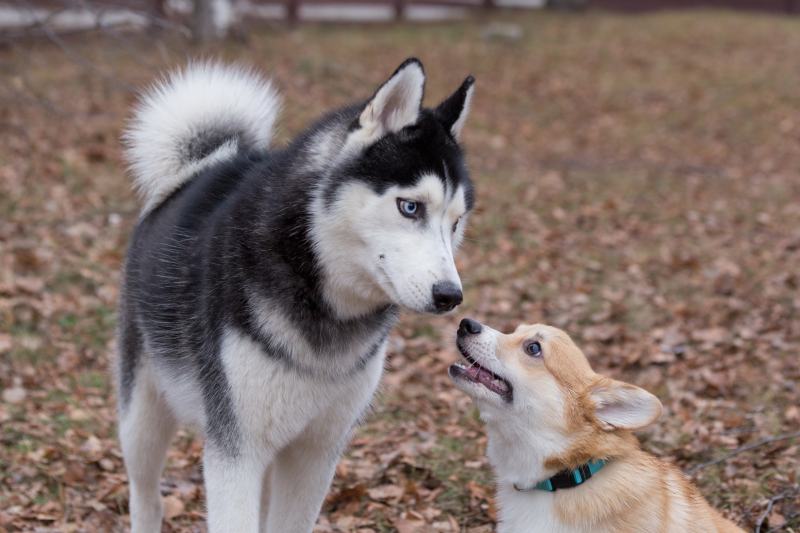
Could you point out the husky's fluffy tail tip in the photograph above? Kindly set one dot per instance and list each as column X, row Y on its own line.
column 196, row 116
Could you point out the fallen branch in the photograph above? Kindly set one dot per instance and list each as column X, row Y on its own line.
column 772, row 501
column 745, row 448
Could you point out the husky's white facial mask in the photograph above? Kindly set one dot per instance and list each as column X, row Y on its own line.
column 399, row 246
column 392, row 214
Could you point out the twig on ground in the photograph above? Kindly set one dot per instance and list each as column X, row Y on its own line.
column 772, row 501
column 745, row 448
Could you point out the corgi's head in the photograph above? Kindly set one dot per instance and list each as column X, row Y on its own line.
column 546, row 409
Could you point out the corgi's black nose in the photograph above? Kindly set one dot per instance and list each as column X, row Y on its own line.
column 469, row 327
column 446, row 295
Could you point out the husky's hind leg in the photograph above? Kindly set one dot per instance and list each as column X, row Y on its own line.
column 146, row 427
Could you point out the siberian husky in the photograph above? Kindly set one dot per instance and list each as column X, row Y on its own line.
column 261, row 284
column 561, row 442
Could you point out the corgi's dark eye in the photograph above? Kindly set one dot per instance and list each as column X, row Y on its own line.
column 534, row 349
column 410, row 208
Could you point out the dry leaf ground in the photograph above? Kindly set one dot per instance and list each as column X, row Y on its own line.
column 638, row 184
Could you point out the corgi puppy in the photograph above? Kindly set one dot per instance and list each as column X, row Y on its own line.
column 561, row 441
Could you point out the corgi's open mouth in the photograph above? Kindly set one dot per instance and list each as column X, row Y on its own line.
column 475, row 373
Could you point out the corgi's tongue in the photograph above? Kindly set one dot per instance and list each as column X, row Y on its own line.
column 474, row 372
column 480, row 375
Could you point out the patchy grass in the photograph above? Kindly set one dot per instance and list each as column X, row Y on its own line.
column 637, row 185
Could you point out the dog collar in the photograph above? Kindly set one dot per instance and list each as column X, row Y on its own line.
column 567, row 479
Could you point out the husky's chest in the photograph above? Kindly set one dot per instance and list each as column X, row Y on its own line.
column 278, row 388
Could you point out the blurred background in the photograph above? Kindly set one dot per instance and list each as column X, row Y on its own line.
column 638, row 183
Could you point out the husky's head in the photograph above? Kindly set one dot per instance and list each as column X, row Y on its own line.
column 392, row 208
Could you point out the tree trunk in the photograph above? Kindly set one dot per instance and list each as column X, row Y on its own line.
column 158, row 15
column 212, row 19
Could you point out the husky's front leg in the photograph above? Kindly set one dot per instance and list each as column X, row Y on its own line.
column 302, row 471
column 300, row 477
column 233, row 490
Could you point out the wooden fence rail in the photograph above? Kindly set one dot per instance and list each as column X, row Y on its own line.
column 399, row 7
column 291, row 10
column 775, row 6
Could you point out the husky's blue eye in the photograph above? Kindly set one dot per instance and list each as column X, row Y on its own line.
column 534, row 349
column 409, row 208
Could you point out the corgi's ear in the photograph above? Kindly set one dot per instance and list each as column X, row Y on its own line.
column 619, row 405
column 397, row 102
column 453, row 112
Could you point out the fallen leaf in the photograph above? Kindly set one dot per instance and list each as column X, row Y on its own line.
column 14, row 395
column 173, row 507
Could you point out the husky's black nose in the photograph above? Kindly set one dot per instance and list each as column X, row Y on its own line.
column 446, row 295
column 469, row 327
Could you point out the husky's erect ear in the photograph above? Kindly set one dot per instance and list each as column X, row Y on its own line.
column 619, row 405
column 452, row 113
column 397, row 103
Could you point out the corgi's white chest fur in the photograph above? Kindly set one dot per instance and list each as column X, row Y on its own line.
column 528, row 512
column 534, row 512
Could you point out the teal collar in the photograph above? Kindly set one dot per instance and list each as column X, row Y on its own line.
column 567, row 479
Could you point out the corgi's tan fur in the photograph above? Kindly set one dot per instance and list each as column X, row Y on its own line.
column 553, row 413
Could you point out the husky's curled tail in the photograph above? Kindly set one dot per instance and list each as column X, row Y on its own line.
column 203, row 114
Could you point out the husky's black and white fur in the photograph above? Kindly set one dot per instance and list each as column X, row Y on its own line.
column 260, row 285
